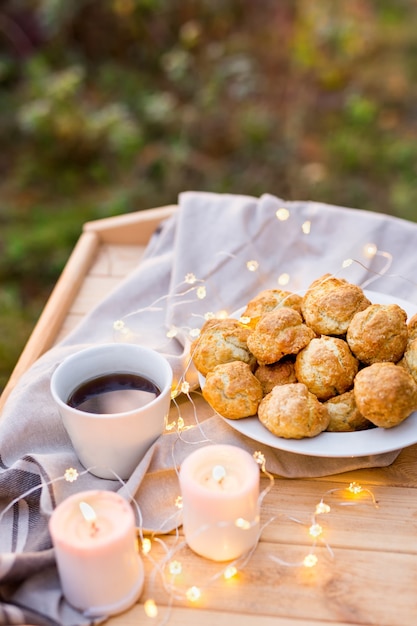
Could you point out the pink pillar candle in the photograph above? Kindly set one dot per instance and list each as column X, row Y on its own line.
column 220, row 493
column 94, row 536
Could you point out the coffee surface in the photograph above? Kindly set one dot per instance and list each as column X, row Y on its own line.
column 113, row 393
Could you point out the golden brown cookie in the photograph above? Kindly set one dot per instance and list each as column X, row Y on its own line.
column 326, row 366
column 278, row 333
column 221, row 341
column 232, row 390
column 268, row 300
column 345, row 415
column 330, row 303
column 379, row 333
column 385, row 393
column 292, row 412
column 280, row 373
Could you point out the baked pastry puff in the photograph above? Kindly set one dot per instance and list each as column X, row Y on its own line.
column 292, row 412
column 232, row 390
column 278, row 333
column 385, row 393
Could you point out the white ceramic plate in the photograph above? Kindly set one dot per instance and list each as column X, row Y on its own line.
column 355, row 444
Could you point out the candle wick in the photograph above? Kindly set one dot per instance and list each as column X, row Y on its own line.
column 218, row 474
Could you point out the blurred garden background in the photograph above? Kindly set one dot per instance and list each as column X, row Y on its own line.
column 112, row 106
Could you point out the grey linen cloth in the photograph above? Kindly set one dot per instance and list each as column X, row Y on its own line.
column 216, row 253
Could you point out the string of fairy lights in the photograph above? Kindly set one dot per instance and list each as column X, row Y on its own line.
column 167, row 570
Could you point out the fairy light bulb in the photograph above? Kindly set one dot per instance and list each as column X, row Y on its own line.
column 282, row 214
column 201, row 293
column 229, row 572
column 146, row 545
column 252, row 265
column 150, row 608
column 370, row 250
column 315, row 530
column 244, row 524
column 306, row 227
column 347, row 263
column 355, row 488
column 193, row 594
column 283, row 279
column 322, row 507
column 175, row 568
column 310, row 560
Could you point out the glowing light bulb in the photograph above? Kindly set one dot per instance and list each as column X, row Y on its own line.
column 178, row 502
column 71, row 474
column 355, row 488
column 283, row 279
column 146, row 545
column 193, row 594
column 201, row 293
column 306, row 227
column 370, row 250
column 310, row 560
column 315, row 530
column 282, row 214
column 242, row 523
column 347, row 262
column 229, row 572
column 150, row 608
column 322, row 507
column 252, row 265
column 185, row 387
column 190, row 278
column 172, row 332
column 175, row 568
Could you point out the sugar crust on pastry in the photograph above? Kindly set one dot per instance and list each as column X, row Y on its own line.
column 278, row 333
column 268, row 300
column 326, row 366
column 280, row 373
column 221, row 341
column 345, row 415
column 379, row 333
column 330, row 303
column 292, row 412
column 385, row 393
column 232, row 390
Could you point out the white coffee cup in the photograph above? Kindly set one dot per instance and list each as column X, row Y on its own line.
column 111, row 445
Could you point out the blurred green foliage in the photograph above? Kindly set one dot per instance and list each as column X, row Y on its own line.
column 109, row 106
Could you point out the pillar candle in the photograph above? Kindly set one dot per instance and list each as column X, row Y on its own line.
column 220, row 493
column 94, row 536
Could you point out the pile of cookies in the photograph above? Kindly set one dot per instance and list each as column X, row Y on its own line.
column 328, row 360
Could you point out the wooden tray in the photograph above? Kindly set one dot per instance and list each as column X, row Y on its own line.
column 371, row 580
column 105, row 253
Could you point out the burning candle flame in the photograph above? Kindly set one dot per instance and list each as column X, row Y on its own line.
column 89, row 515
column 218, row 473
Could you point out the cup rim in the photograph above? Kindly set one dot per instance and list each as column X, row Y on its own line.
column 97, row 348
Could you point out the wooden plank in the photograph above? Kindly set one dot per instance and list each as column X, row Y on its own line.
column 131, row 228
column 356, row 586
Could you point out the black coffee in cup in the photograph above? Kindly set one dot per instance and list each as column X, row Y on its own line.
column 113, row 393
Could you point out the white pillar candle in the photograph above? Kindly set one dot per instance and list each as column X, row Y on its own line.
column 220, row 493
column 94, row 536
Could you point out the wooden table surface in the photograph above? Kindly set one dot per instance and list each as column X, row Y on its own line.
column 367, row 554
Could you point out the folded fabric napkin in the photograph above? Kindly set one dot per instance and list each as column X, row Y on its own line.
column 216, row 253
